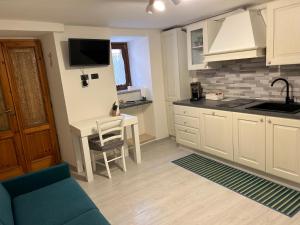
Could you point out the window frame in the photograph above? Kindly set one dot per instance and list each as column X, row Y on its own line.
column 123, row 46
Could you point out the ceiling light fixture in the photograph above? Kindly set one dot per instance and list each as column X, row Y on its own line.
column 155, row 6
column 159, row 5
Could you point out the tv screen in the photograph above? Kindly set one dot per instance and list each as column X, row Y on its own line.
column 88, row 52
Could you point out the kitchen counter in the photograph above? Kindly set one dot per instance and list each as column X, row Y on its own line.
column 210, row 104
column 134, row 103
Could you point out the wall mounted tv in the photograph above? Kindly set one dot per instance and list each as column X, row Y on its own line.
column 89, row 52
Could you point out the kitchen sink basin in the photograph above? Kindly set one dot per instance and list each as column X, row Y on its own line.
column 291, row 108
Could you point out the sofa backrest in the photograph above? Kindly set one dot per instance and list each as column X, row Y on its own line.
column 6, row 215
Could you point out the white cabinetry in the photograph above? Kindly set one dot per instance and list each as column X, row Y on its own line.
column 283, row 32
column 216, row 133
column 249, row 139
column 199, row 38
column 283, row 148
column 176, row 74
column 187, row 126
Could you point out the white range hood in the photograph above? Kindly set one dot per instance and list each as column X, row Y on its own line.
column 241, row 36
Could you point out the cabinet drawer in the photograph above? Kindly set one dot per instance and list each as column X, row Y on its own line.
column 187, row 121
column 187, row 136
column 186, row 111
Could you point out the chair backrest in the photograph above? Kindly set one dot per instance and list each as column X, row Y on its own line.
column 6, row 214
column 110, row 128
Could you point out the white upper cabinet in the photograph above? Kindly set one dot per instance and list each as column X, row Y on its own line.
column 199, row 38
column 283, row 148
column 249, row 139
column 283, row 32
column 216, row 133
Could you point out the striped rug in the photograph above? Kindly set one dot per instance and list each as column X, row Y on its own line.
column 280, row 198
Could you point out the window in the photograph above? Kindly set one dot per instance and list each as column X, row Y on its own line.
column 121, row 65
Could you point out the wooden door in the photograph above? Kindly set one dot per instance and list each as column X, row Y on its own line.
column 283, row 46
column 283, row 148
column 249, row 134
column 26, row 72
column 216, row 133
column 11, row 156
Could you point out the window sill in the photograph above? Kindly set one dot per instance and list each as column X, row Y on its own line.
column 121, row 92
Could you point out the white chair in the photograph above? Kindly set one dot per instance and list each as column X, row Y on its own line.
column 110, row 139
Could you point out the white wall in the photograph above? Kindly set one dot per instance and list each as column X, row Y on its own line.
column 57, row 97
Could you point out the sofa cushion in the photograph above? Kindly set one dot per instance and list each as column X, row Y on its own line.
column 92, row 217
column 55, row 204
column 6, row 215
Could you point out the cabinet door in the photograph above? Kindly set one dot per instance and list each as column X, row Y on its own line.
column 187, row 136
column 216, row 133
column 170, row 116
column 249, row 139
column 283, row 46
column 171, row 65
column 283, row 148
column 195, row 45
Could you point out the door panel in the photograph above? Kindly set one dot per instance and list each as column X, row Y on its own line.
column 26, row 78
column 249, row 133
column 33, row 107
column 11, row 157
column 216, row 133
column 283, row 148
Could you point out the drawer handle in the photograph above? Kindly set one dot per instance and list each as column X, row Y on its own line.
column 270, row 121
column 213, row 113
column 184, row 123
column 184, row 112
column 261, row 120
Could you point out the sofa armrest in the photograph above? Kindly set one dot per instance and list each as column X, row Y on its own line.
column 35, row 180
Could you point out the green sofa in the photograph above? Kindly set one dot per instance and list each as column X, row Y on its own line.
column 47, row 197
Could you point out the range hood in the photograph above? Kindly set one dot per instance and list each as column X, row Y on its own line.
column 241, row 36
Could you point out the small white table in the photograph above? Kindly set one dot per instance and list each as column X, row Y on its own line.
column 84, row 128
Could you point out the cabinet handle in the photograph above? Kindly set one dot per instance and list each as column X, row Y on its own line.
column 269, row 62
column 213, row 113
column 262, row 120
column 184, row 112
column 270, row 121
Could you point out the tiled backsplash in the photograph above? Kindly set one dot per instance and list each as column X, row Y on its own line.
column 250, row 78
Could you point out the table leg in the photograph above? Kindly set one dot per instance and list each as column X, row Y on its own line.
column 87, row 159
column 136, row 141
column 78, row 155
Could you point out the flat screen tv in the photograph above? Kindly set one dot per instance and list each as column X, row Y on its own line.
column 89, row 52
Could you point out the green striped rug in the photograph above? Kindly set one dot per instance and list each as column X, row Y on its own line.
column 280, row 198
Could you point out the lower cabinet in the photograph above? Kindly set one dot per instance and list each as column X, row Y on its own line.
column 283, row 148
column 269, row 144
column 216, row 133
column 249, row 140
column 187, row 136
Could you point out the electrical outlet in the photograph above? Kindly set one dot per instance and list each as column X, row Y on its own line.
column 84, row 80
column 94, row 76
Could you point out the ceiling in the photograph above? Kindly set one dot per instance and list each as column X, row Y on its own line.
column 115, row 13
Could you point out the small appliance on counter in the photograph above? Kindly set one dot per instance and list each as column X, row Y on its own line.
column 196, row 91
column 216, row 95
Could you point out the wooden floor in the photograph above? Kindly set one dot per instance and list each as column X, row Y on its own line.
column 158, row 192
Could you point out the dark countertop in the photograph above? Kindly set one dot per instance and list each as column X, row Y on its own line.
column 133, row 104
column 210, row 104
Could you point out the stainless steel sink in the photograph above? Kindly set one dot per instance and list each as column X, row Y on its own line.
column 291, row 108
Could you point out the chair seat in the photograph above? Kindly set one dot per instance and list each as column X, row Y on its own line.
column 95, row 144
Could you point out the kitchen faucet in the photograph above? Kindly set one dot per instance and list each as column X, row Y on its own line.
column 288, row 100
